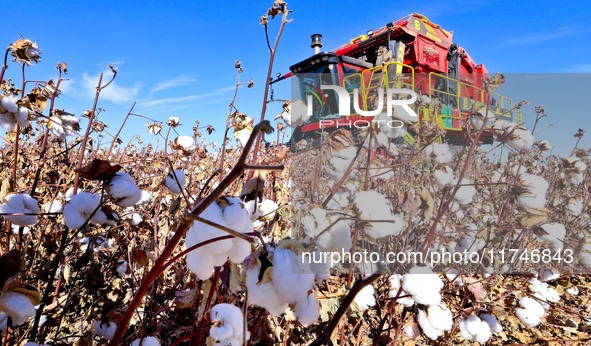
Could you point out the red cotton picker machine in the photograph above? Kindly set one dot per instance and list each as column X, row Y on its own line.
column 409, row 57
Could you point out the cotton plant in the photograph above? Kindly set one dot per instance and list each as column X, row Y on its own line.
column 227, row 325
column 17, row 306
column 282, row 279
column 12, row 114
column 440, row 152
column 63, row 125
column 554, row 233
column 123, row 190
column 104, row 329
column 332, row 235
column 575, row 169
column 479, row 327
column 365, row 298
column 376, row 212
column 20, row 204
column 176, row 181
column 294, row 114
column 435, row 320
column 147, row 341
column 228, row 212
column 533, row 191
column 81, row 207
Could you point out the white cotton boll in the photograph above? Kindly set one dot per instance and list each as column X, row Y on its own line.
column 8, row 102
column 527, row 317
column 299, row 113
column 147, row 341
column 435, row 321
column 136, row 219
column 492, row 322
column 172, row 184
column 534, row 195
column 387, row 226
column 79, row 209
column 334, row 238
column 575, row 207
column 185, row 143
column 431, row 332
column 202, row 260
column 423, row 285
column 532, row 305
column 227, row 324
column 69, row 194
column 267, row 209
column 22, row 116
column 16, row 229
column 53, row 207
column 146, row 197
column 240, row 249
column 555, row 234
column 549, row 275
column 521, row 138
column 365, row 298
column 465, row 193
column 306, row 310
column 347, row 153
column 443, row 176
column 106, row 330
column 121, row 268
column 18, row 306
column 573, row 290
column 242, row 136
column 123, row 190
column 394, row 287
column 292, row 278
column 440, row 152
column 20, row 204
column 252, row 207
column 7, row 121
column 263, row 294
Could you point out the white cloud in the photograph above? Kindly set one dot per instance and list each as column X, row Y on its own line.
column 563, row 31
column 182, row 99
column 171, row 83
column 114, row 92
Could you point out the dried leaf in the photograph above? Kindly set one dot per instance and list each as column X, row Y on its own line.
column 98, row 169
column 476, row 287
column 10, row 265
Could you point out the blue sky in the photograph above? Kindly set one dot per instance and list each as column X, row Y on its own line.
column 176, row 58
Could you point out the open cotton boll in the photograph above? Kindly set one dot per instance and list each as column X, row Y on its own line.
column 423, row 285
column 440, row 152
column 123, row 190
column 292, row 278
column 242, row 136
column 535, row 188
column 20, row 204
column 121, row 268
column 395, row 285
column 529, row 318
column 81, row 207
column 435, row 321
column 172, row 184
column 532, row 305
column 267, row 209
column 575, row 207
column 365, row 298
column 202, row 260
column 8, row 102
column 7, row 121
column 237, row 218
column 146, row 197
column 474, row 329
column 347, row 153
column 184, row 143
column 492, row 322
column 227, row 324
column 443, row 176
column 548, row 275
column 263, row 294
column 147, row 341
column 555, row 234
column 307, row 311
column 465, row 193
column 337, row 237
column 521, row 138
column 17, row 306
column 53, row 207
column 106, row 330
